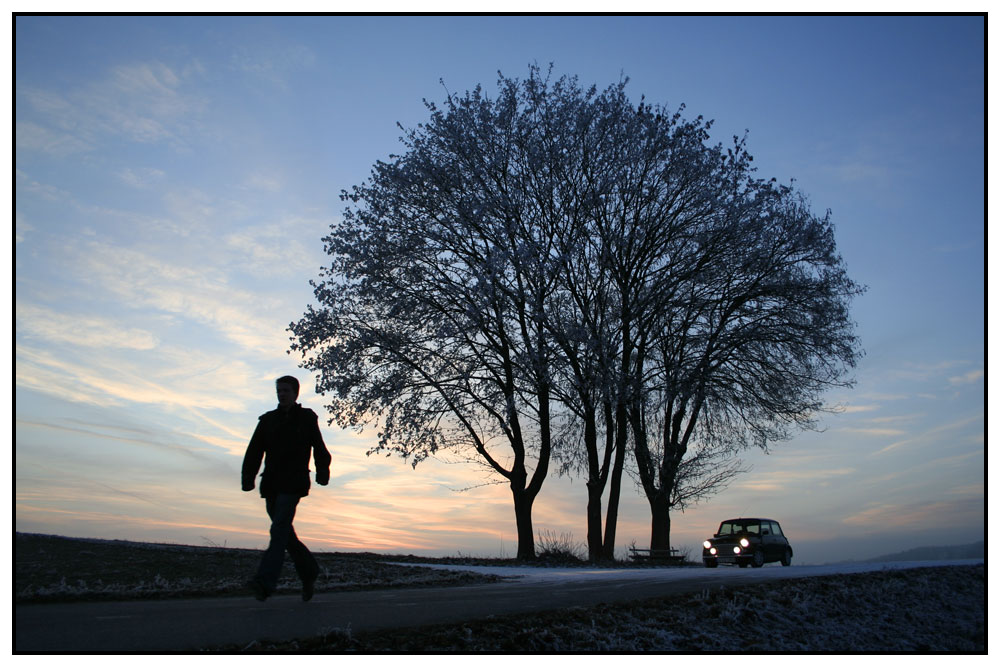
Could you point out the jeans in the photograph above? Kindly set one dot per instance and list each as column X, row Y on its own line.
column 281, row 509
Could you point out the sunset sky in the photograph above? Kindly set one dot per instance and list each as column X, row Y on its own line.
column 174, row 177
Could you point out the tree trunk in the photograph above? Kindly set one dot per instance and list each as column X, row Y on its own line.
column 660, row 534
column 614, row 494
column 595, row 486
column 523, row 501
column 621, row 435
column 594, row 538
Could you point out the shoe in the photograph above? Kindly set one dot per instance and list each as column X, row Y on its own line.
column 257, row 589
column 308, row 588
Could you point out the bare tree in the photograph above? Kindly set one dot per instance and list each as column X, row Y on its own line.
column 662, row 185
column 554, row 274
column 433, row 318
column 739, row 352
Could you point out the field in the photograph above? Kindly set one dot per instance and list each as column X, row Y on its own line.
column 915, row 610
column 59, row 569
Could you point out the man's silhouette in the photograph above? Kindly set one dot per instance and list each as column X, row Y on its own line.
column 284, row 439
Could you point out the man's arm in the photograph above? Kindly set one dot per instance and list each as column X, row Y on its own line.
column 321, row 455
column 253, row 457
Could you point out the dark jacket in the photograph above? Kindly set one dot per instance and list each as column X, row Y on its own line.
column 284, row 441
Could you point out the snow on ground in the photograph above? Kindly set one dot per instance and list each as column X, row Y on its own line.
column 769, row 571
column 885, row 608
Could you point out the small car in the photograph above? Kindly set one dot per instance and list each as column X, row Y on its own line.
column 747, row 542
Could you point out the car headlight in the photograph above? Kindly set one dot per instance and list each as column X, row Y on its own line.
column 736, row 550
column 713, row 551
column 706, row 544
column 744, row 542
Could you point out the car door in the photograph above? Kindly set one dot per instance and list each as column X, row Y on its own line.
column 767, row 540
column 753, row 533
column 778, row 541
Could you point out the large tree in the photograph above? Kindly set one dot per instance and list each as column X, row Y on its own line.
column 433, row 313
column 554, row 274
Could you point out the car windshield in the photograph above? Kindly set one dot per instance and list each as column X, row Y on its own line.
column 736, row 527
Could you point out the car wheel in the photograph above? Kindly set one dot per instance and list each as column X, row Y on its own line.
column 758, row 558
column 711, row 563
column 786, row 557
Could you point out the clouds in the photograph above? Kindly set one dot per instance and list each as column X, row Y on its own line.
column 142, row 436
column 276, row 249
column 968, row 378
column 273, row 64
column 141, row 177
column 144, row 102
column 871, row 430
column 964, row 431
column 86, row 330
column 201, row 294
column 789, row 479
column 57, row 143
column 173, row 377
column 194, row 292
column 888, row 517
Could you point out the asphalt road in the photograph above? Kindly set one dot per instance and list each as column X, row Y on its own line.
column 189, row 624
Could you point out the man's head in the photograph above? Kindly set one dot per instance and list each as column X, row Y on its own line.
column 287, row 389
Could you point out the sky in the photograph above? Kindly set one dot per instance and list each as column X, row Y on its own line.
column 174, row 177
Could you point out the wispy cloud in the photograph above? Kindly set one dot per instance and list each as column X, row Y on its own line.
column 114, row 432
column 143, row 102
column 203, row 294
column 925, row 371
column 785, row 479
column 418, row 513
column 33, row 137
column 967, row 378
column 128, row 524
column 894, row 419
column 273, row 249
column 872, row 431
column 163, row 380
column 141, row 177
column 920, row 469
column 852, row 409
column 26, row 184
column 894, row 516
column 34, row 321
column 932, row 435
column 273, row 64
column 883, row 396
column 260, row 181
column 978, row 489
column 21, row 228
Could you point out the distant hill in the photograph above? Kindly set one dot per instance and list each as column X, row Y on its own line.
column 974, row 550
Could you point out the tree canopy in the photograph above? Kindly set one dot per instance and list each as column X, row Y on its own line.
column 559, row 274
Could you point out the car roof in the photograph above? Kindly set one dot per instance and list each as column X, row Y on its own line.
column 750, row 518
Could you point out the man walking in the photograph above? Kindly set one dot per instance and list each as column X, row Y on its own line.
column 284, row 438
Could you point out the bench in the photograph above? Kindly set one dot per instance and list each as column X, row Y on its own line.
column 656, row 555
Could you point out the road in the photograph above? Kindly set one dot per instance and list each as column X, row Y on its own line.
column 189, row 624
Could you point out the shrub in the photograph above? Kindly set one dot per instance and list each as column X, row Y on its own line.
column 561, row 548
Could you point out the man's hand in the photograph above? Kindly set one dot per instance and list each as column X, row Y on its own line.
column 248, row 488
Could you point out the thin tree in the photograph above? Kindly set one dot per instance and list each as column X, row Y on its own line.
column 662, row 183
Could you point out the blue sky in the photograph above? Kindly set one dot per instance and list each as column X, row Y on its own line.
column 174, row 177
